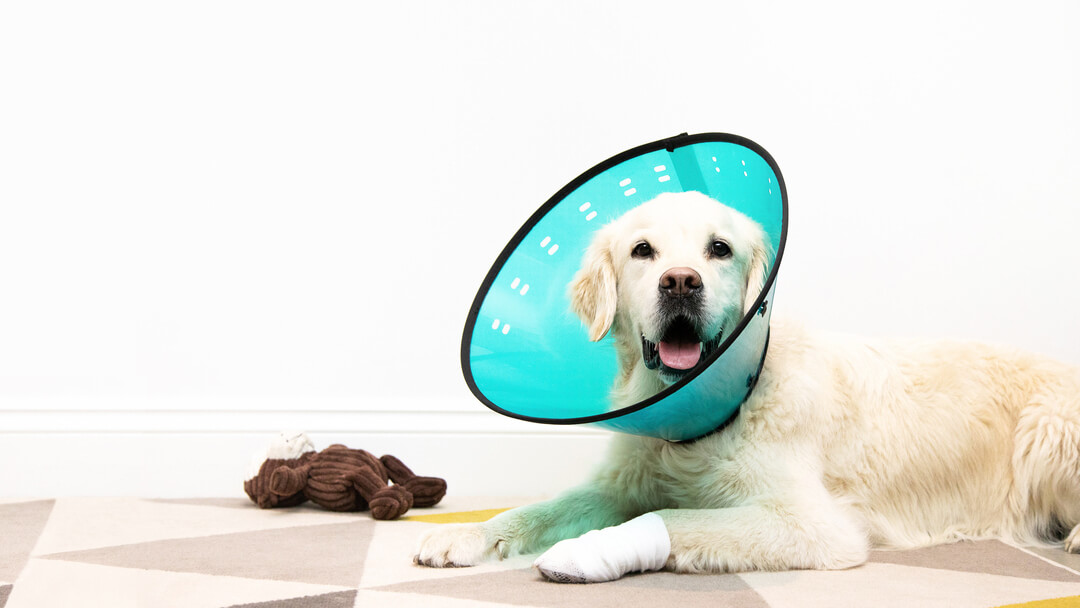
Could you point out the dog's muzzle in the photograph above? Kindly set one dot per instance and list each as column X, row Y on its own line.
column 682, row 343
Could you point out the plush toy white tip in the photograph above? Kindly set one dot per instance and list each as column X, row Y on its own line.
column 290, row 444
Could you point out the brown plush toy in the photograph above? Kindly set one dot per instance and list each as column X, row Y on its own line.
column 339, row 479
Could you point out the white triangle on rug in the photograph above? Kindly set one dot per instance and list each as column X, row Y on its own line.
column 46, row 583
column 895, row 586
column 390, row 553
column 90, row 523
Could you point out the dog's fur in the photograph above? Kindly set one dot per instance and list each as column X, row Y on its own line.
column 844, row 444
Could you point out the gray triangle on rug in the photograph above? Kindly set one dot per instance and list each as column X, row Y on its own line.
column 339, row 599
column 226, row 503
column 527, row 587
column 1061, row 557
column 325, row 554
column 21, row 524
column 984, row 556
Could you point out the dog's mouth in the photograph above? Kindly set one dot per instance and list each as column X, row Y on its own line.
column 680, row 349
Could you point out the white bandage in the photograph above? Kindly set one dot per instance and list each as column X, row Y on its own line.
column 640, row 545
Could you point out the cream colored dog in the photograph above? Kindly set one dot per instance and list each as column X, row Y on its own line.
column 844, row 444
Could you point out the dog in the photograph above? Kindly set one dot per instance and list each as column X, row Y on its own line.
column 845, row 444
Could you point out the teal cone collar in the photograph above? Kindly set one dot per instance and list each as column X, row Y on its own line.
column 525, row 355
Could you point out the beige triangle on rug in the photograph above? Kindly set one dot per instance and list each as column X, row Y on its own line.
column 10, row 500
column 367, row 598
column 393, row 545
column 48, row 583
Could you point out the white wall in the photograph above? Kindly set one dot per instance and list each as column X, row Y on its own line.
column 221, row 219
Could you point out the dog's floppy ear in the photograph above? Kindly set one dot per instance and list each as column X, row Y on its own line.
column 759, row 269
column 592, row 292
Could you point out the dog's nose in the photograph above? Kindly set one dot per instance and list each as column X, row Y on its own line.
column 680, row 282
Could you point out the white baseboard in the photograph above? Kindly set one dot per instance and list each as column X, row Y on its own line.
column 215, row 464
column 202, row 446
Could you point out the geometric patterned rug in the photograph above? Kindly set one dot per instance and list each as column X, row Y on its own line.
column 217, row 553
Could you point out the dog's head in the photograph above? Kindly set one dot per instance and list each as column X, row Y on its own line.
column 671, row 277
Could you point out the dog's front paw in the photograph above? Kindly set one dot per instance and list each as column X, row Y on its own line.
column 1072, row 542
column 453, row 546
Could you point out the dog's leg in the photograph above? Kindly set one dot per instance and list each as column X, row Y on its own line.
column 800, row 529
column 763, row 537
column 525, row 529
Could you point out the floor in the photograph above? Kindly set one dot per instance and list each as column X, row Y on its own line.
column 216, row 553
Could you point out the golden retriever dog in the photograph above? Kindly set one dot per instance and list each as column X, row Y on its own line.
column 845, row 444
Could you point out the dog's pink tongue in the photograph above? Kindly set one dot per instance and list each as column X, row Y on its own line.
column 679, row 355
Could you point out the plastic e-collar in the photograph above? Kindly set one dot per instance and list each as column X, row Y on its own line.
column 525, row 355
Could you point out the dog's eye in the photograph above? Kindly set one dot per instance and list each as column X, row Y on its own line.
column 642, row 250
column 719, row 249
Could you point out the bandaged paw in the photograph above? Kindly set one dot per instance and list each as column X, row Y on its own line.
column 640, row 545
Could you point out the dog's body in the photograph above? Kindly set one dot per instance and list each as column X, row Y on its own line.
column 844, row 443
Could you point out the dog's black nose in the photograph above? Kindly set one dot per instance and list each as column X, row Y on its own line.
column 677, row 282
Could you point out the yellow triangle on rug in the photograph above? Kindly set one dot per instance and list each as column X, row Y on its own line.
column 460, row 517
column 1060, row 602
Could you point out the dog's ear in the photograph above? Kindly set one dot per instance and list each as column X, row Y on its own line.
column 593, row 295
column 759, row 269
